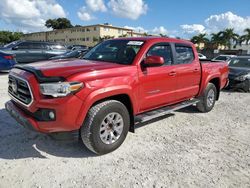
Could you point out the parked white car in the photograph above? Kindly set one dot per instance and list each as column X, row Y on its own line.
column 226, row 58
column 201, row 56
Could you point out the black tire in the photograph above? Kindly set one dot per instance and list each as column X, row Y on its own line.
column 90, row 131
column 247, row 86
column 206, row 104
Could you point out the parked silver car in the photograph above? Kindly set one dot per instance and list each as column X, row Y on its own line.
column 32, row 51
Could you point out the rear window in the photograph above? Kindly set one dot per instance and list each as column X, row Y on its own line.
column 57, row 47
column 240, row 62
column 184, row 54
column 36, row 46
column 221, row 58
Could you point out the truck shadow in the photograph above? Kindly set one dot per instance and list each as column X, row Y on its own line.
column 18, row 143
column 189, row 110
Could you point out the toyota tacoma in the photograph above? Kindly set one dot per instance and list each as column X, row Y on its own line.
column 117, row 84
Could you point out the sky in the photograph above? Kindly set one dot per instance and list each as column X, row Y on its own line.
column 179, row 18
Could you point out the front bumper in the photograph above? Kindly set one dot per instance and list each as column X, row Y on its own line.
column 66, row 116
column 21, row 117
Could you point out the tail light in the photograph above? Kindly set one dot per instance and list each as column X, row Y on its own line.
column 8, row 57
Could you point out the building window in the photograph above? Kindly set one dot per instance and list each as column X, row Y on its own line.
column 83, row 30
column 87, row 39
column 120, row 31
column 94, row 28
column 106, row 29
column 88, row 29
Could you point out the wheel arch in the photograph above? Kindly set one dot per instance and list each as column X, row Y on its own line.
column 123, row 97
column 216, row 82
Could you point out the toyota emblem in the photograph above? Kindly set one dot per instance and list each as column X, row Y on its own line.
column 14, row 86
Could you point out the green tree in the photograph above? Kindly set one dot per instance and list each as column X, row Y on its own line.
column 246, row 37
column 163, row 35
column 125, row 35
column 7, row 36
column 59, row 23
column 230, row 37
column 217, row 39
column 78, row 25
column 200, row 39
column 106, row 37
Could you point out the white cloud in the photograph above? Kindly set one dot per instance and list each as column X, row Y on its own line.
column 160, row 30
column 84, row 14
column 137, row 29
column 29, row 15
column 193, row 29
column 216, row 23
column 131, row 9
column 220, row 22
column 96, row 5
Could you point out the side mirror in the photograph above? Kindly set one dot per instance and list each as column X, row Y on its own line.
column 15, row 48
column 153, row 61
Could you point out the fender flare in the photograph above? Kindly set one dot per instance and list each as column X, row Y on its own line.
column 207, row 80
column 101, row 94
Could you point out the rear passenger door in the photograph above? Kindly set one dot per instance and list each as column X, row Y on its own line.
column 21, row 52
column 188, row 71
column 36, row 52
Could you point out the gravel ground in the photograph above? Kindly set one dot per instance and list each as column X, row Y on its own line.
column 185, row 149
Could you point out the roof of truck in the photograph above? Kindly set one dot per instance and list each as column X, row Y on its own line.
column 147, row 38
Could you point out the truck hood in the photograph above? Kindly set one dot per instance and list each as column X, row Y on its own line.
column 66, row 68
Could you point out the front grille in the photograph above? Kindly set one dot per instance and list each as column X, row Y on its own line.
column 19, row 90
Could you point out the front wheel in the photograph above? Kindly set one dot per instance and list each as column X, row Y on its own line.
column 105, row 127
column 208, row 98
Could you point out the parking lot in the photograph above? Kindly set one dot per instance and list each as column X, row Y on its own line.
column 186, row 148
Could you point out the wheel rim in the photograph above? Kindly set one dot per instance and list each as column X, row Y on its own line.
column 210, row 98
column 111, row 128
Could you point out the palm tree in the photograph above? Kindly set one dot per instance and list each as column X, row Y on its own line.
column 200, row 39
column 246, row 37
column 230, row 37
column 163, row 35
column 217, row 40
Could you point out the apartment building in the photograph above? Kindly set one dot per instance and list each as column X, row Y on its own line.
column 85, row 35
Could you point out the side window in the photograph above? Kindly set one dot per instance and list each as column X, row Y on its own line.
column 57, row 47
column 163, row 50
column 184, row 54
column 23, row 45
column 37, row 46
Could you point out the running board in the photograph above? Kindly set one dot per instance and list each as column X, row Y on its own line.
column 147, row 116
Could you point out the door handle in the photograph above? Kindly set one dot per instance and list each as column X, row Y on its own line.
column 172, row 73
column 196, row 70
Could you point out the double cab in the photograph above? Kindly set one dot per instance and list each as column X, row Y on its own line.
column 117, row 83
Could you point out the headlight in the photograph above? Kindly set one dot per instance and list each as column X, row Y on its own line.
column 242, row 77
column 60, row 89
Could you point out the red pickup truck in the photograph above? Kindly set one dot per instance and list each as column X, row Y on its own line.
column 118, row 83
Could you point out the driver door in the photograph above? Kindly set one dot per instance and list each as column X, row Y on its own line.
column 158, row 84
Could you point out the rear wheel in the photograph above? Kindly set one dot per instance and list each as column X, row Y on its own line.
column 105, row 127
column 207, row 100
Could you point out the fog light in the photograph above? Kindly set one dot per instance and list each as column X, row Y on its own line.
column 51, row 115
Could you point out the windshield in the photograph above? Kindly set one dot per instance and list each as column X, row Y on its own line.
column 240, row 62
column 116, row 51
column 222, row 58
column 75, row 52
column 10, row 45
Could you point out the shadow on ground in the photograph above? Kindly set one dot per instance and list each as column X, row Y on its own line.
column 17, row 143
